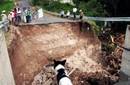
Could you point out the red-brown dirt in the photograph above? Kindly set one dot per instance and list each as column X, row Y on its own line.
column 35, row 46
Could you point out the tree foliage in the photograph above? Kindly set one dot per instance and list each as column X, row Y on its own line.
column 1, row 1
column 90, row 7
column 116, row 8
column 110, row 6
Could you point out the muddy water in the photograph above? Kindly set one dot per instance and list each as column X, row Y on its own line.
column 33, row 47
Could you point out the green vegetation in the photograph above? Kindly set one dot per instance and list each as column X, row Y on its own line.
column 90, row 7
column 57, row 6
column 95, row 28
column 6, row 5
column 53, row 6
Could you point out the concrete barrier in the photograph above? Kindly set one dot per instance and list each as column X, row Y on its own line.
column 125, row 66
column 6, row 75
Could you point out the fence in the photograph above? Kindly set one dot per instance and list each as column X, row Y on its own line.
column 6, row 75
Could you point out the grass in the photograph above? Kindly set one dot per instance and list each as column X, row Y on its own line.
column 6, row 5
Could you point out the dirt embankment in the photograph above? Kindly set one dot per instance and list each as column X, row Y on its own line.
column 33, row 47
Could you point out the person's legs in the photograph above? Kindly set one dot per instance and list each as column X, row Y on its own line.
column 15, row 19
column 19, row 19
column 81, row 17
column 27, row 19
column 12, row 21
column 62, row 15
column 81, row 26
column 74, row 15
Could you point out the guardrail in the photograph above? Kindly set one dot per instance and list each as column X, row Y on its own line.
column 124, row 19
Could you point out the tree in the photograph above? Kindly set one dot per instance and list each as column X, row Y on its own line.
column 1, row 1
column 116, row 7
column 76, row 2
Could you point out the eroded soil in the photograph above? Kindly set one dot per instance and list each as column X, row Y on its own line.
column 34, row 47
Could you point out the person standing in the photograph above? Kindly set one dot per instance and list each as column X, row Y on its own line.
column 81, row 14
column 68, row 14
column 74, row 12
column 24, row 14
column 62, row 13
column 4, row 16
column 19, row 15
column 40, row 13
column 14, row 16
column 28, row 15
column 10, row 17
